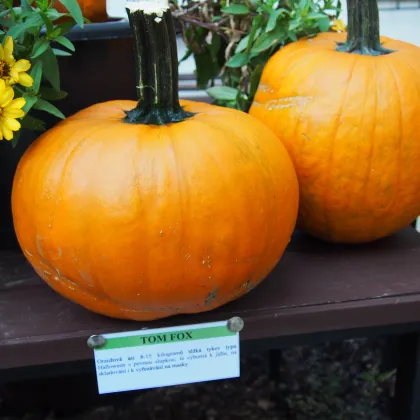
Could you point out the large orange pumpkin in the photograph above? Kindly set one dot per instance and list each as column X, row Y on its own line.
column 149, row 209
column 347, row 109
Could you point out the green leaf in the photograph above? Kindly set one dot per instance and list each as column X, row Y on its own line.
column 15, row 139
column 272, row 20
column 31, row 123
column 39, row 47
column 216, row 43
column 223, row 93
column 16, row 30
column 61, row 53
column 242, row 44
column 256, row 23
column 255, row 80
column 43, row 105
column 36, row 73
column 50, row 68
column 186, row 56
column 292, row 36
column 34, row 20
column 55, row 33
column 25, row 5
column 207, row 67
column 324, row 24
column 53, row 15
column 235, row 9
column 30, row 102
column 267, row 40
column 238, row 60
column 65, row 27
column 50, row 94
column 315, row 15
column 65, row 42
column 74, row 9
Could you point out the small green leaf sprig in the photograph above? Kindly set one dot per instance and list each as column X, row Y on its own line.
column 233, row 39
column 39, row 38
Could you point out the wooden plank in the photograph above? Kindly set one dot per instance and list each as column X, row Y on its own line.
column 316, row 287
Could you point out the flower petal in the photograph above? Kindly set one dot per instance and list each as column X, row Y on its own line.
column 25, row 79
column 2, row 86
column 7, row 132
column 16, row 103
column 14, row 74
column 22, row 65
column 1, row 53
column 8, row 48
column 13, row 112
column 7, row 97
column 12, row 124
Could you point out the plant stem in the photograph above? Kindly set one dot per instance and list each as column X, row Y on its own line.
column 363, row 36
column 156, row 61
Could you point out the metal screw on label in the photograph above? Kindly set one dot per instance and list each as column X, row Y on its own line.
column 96, row 341
column 235, row 324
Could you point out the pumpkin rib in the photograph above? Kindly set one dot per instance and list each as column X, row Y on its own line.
column 370, row 157
column 334, row 135
column 181, row 190
column 228, row 266
column 399, row 97
column 72, row 154
column 260, row 155
column 265, row 159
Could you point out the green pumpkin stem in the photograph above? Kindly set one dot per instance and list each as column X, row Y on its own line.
column 363, row 35
column 156, row 61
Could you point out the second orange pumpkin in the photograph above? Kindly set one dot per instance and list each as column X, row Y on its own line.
column 347, row 109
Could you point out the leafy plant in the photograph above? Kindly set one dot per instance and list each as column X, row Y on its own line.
column 38, row 32
column 234, row 39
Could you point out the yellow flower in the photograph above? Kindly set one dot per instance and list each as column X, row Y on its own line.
column 10, row 109
column 12, row 71
column 338, row 26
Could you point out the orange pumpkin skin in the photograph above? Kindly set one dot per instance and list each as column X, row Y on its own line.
column 142, row 222
column 351, row 125
column 94, row 10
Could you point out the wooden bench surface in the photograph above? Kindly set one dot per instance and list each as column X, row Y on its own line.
column 316, row 287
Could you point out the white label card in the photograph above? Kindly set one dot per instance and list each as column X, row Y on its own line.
column 167, row 356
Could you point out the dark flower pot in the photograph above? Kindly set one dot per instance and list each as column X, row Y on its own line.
column 101, row 69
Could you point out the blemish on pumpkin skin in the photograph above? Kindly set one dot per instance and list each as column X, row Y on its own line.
column 210, row 297
column 245, row 285
column 287, row 102
column 86, row 279
column 27, row 253
column 38, row 245
column 207, row 261
column 265, row 88
column 58, row 256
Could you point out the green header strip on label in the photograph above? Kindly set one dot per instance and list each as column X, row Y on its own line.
column 166, row 337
